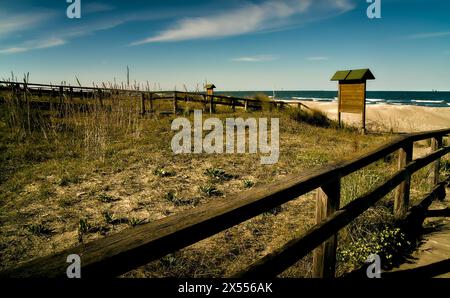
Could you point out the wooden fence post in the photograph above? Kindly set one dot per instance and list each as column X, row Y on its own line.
column 401, row 203
column 324, row 256
column 60, row 96
column 71, row 93
column 143, row 103
column 204, row 102
column 175, row 104
column 233, row 105
column 211, row 104
column 246, row 105
column 436, row 144
column 151, row 102
column 100, row 97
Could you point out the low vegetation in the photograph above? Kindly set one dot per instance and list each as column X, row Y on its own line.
column 75, row 175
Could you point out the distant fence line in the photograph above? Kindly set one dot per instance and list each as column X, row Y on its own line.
column 147, row 97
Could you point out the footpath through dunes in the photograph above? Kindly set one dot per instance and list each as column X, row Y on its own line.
column 432, row 258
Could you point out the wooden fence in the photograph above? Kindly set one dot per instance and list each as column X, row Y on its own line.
column 147, row 97
column 134, row 247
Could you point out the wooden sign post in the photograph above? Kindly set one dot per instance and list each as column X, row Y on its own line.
column 210, row 94
column 352, row 92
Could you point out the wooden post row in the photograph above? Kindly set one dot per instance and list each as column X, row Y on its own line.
column 327, row 203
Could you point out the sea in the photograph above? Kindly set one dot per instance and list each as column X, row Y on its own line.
column 415, row 98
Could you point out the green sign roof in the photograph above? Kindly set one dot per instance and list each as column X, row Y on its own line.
column 352, row 75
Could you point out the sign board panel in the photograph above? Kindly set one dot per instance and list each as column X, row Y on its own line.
column 352, row 97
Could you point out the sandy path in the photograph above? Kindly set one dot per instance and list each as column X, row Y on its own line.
column 394, row 118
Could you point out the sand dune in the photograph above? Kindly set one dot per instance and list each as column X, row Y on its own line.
column 384, row 117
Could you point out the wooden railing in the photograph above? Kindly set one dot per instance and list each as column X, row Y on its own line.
column 147, row 97
column 131, row 248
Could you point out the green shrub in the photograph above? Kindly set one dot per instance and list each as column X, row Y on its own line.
column 389, row 243
column 109, row 217
column 172, row 197
column 39, row 229
column 160, row 172
column 133, row 222
column 104, row 198
column 83, row 228
column 312, row 117
column 218, row 174
column 264, row 102
column 248, row 183
column 66, row 180
column 210, row 190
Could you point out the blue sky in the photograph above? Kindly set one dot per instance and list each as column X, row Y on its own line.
column 238, row 45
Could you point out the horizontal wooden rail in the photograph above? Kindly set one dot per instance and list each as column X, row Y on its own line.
column 77, row 88
column 144, row 95
column 131, row 248
column 284, row 257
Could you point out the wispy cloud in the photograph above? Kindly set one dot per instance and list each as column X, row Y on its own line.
column 259, row 58
column 96, row 7
column 250, row 17
column 34, row 45
column 15, row 22
column 428, row 35
column 317, row 58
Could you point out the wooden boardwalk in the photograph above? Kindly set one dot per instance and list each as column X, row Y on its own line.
column 432, row 258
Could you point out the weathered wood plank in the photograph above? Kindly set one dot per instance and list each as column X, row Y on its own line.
column 436, row 143
column 175, row 103
column 401, row 202
column 143, row 103
column 327, row 203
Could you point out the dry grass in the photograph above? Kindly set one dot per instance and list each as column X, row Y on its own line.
column 96, row 172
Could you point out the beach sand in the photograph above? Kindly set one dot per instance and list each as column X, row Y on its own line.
column 395, row 118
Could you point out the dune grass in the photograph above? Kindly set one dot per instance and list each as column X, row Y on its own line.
column 79, row 176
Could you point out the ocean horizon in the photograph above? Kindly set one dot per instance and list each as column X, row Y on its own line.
column 416, row 98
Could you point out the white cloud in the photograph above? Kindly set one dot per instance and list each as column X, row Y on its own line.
column 12, row 22
column 65, row 34
column 259, row 58
column 317, row 58
column 429, row 35
column 34, row 45
column 267, row 15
